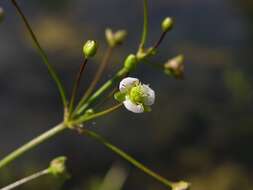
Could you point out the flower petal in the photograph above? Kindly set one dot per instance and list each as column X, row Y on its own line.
column 149, row 95
column 127, row 83
column 133, row 107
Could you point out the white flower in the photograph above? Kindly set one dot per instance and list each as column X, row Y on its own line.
column 137, row 97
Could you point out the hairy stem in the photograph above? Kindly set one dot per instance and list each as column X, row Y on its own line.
column 26, row 179
column 126, row 156
column 42, row 53
column 32, row 144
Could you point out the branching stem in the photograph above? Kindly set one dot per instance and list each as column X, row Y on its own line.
column 145, row 24
column 126, row 156
column 42, row 53
column 32, row 144
column 76, row 86
column 99, row 114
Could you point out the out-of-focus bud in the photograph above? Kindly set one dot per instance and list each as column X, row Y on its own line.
column 89, row 112
column 182, row 185
column 1, row 14
column 115, row 38
column 130, row 62
column 90, row 49
column 119, row 96
column 175, row 67
column 167, row 24
column 57, row 166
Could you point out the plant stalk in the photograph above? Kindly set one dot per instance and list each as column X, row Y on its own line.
column 99, row 114
column 145, row 24
column 76, row 86
column 26, row 179
column 98, row 74
column 43, row 54
column 97, row 95
column 126, row 156
column 32, row 144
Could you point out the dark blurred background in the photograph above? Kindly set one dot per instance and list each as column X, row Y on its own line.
column 200, row 129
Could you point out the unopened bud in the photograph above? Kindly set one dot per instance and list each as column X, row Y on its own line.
column 175, row 67
column 90, row 49
column 115, row 38
column 130, row 62
column 182, row 185
column 119, row 96
column 57, row 166
column 167, row 24
column 1, row 14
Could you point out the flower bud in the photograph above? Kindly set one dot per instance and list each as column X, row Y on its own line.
column 57, row 166
column 130, row 62
column 182, row 185
column 89, row 112
column 120, row 36
column 175, row 67
column 167, row 24
column 1, row 14
column 90, row 48
column 119, row 96
column 115, row 38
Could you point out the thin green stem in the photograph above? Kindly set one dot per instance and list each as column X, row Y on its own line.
column 98, row 94
column 158, row 43
column 145, row 24
column 99, row 114
column 26, row 180
column 42, row 53
column 107, row 98
column 32, row 144
column 126, row 156
column 98, row 74
column 76, row 86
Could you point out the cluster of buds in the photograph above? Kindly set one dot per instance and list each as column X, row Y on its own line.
column 115, row 38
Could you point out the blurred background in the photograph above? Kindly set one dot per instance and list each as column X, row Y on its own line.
column 200, row 129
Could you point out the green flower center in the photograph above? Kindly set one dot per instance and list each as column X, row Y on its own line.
column 137, row 94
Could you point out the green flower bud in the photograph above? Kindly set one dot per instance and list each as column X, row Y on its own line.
column 115, row 38
column 57, row 166
column 1, row 14
column 89, row 112
column 167, row 24
column 175, row 67
column 90, row 48
column 109, row 36
column 130, row 62
column 120, row 36
column 119, row 96
column 182, row 185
